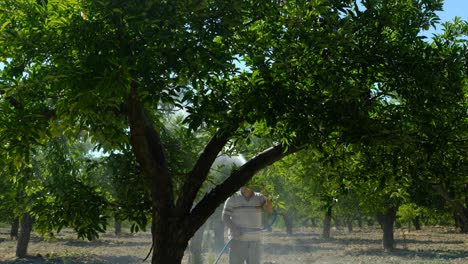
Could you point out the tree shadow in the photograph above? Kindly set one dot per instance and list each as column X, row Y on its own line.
column 285, row 235
column 370, row 241
column 101, row 243
column 118, row 260
column 77, row 260
column 426, row 242
column 339, row 241
column 422, row 254
column 285, row 249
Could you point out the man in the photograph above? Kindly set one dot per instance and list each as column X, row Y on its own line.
column 243, row 211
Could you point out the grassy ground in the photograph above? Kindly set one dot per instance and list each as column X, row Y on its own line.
column 431, row 245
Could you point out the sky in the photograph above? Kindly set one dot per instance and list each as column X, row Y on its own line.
column 454, row 8
column 451, row 9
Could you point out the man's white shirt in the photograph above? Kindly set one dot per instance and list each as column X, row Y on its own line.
column 245, row 213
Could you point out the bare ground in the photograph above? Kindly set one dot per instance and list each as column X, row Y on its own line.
column 431, row 245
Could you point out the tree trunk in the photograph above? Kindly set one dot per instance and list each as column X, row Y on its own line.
column 288, row 223
column 337, row 223
column 117, row 227
column 370, row 221
column 196, row 246
column 14, row 228
column 24, row 236
column 169, row 242
column 359, row 222
column 313, row 222
column 464, row 228
column 386, row 220
column 462, row 223
column 417, row 223
column 327, row 223
column 349, row 223
column 460, row 210
column 456, row 220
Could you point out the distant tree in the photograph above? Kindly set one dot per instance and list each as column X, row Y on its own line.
column 349, row 209
column 411, row 214
column 67, row 196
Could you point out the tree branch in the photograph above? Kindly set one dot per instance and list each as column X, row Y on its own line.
column 252, row 21
column 48, row 114
column 12, row 100
column 457, row 206
column 148, row 150
column 237, row 179
column 200, row 171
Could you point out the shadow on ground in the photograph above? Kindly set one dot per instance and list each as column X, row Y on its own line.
column 75, row 260
column 428, row 255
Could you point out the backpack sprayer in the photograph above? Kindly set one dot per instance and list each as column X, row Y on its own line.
column 249, row 230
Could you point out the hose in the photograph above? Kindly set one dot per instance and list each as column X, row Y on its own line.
column 249, row 230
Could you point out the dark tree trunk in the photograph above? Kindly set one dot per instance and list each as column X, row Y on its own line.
column 313, row 222
column 359, row 222
column 456, row 220
column 24, row 236
column 288, row 223
column 464, row 223
column 169, row 242
column 14, row 228
column 417, row 223
column 117, row 227
column 337, row 223
column 461, row 219
column 327, row 223
column 460, row 209
column 387, row 220
column 349, row 223
column 196, row 246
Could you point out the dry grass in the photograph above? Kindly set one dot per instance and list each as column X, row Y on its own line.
column 431, row 245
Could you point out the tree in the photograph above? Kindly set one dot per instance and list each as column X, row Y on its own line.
column 66, row 196
column 441, row 118
column 16, row 200
column 7, row 201
column 113, row 68
column 312, row 183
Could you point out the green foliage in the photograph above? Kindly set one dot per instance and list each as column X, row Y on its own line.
column 380, row 109
column 66, row 195
column 8, row 201
column 408, row 212
column 129, row 195
column 434, row 216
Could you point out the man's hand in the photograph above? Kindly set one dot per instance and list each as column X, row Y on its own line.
column 235, row 231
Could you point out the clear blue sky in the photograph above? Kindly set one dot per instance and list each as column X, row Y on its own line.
column 452, row 8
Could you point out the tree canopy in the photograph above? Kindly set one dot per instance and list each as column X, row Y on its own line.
column 313, row 72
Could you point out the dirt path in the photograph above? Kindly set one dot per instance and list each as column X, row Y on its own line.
column 431, row 245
